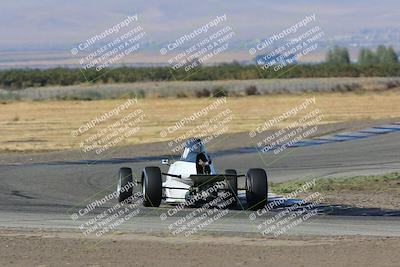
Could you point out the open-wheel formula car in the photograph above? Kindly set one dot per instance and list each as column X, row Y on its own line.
column 191, row 175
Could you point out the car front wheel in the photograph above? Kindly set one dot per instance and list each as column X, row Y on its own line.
column 124, row 184
column 256, row 188
column 151, row 186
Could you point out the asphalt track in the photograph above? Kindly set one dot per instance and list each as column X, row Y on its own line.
column 42, row 195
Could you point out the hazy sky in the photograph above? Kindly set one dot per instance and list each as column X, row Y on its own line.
column 64, row 22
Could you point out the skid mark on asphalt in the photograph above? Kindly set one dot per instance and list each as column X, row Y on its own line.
column 349, row 136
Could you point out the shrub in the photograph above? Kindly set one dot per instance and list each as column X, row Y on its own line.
column 393, row 84
column 219, row 92
column 84, row 95
column 252, row 90
column 202, row 93
column 181, row 95
column 141, row 94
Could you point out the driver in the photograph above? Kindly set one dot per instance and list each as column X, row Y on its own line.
column 195, row 151
column 203, row 163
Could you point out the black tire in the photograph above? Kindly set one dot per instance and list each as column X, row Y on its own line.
column 256, row 188
column 151, row 186
column 232, row 185
column 124, row 180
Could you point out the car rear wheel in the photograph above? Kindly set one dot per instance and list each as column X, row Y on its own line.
column 232, row 186
column 256, row 188
column 151, row 186
column 124, row 184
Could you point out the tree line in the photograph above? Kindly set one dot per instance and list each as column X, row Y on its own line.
column 382, row 62
column 366, row 57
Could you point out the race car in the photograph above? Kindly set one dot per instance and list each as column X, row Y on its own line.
column 190, row 177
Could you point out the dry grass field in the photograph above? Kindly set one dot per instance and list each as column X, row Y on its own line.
column 47, row 125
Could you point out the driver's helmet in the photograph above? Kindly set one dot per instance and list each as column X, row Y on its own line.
column 192, row 148
column 195, row 145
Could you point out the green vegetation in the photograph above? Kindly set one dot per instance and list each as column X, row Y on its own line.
column 382, row 56
column 219, row 92
column 382, row 63
column 376, row 183
column 204, row 89
column 338, row 56
column 202, row 93
column 23, row 78
column 252, row 90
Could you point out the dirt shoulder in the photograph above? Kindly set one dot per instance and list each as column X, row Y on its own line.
column 370, row 191
column 383, row 200
column 58, row 125
column 26, row 248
